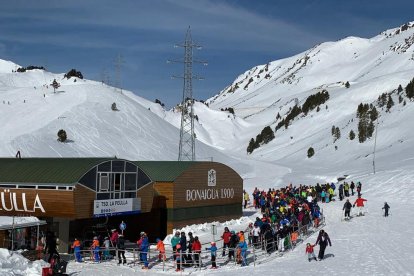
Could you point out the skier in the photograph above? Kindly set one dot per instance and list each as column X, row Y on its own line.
column 341, row 192
column 246, row 199
column 346, row 189
column 120, row 245
column 352, row 187
column 213, row 250
column 144, row 250
column 323, row 240
column 174, row 242
column 234, row 239
column 196, row 247
column 309, row 251
column 178, row 256
column 95, row 248
column 359, row 202
column 347, row 208
column 161, row 249
column 76, row 246
column 386, row 208
column 106, row 255
column 243, row 246
column 114, row 239
column 359, row 188
column 226, row 240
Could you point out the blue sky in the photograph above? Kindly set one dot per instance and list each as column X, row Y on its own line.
column 236, row 35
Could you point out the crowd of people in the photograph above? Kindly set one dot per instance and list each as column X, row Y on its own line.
column 285, row 213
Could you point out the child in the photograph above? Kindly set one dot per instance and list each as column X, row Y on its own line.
column 309, row 251
column 178, row 257
column 106, row 254
column 243, row 252
column 161, row 248
column 213, row 249
column 95, row 249
column 196, row 247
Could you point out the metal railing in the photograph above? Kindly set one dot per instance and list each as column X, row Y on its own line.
column 262, row 251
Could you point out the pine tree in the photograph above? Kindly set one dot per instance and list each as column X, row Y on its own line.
column 62, row 135
column 55, row 85
column 267, row 134
column 399, row 88
column 409, row 89
column 373, row 114
column 351, row 135
column 390, row 102
column 311, row 152
column 337, row 133
column 370, row 129
column 250, row 147
column 347, row 85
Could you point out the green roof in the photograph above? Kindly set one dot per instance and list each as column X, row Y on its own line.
column 46, row 170
column 166, row 171
column 71, row 170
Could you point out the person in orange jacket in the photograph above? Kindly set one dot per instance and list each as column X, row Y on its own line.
column 359, row 202
column 76, row 246
column 95, row 247
column 161, row 249
column 196, row 247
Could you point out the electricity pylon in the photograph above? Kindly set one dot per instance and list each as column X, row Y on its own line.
column 118, row 64
column 186, row 150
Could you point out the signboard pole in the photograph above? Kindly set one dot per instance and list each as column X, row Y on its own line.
column 214, row 231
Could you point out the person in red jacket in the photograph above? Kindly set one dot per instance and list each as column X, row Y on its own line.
column 309, row 251
column 359, row 202
column 226, row 240
column 196, row 247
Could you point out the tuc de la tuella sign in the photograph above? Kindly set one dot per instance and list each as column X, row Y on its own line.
column 210, row 193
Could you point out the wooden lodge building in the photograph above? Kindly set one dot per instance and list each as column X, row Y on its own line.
column 86, row 197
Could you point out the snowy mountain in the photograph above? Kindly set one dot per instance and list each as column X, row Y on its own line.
column 372, row 67
column 31, row 115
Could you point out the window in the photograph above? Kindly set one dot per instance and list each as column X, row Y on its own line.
column 130, row 181
column 104, row 182
column 117, row 182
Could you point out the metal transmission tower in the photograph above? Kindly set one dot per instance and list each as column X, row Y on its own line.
column 118, row 64
column 187, row 137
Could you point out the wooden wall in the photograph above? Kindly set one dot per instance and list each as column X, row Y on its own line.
column 146, row 194
column 196, row 179
column 83, row 200
column 56, row 203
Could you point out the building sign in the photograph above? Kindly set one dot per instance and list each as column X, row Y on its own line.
column 16, row 202
column 209, row 194
column 114, row 207
column 211, row 178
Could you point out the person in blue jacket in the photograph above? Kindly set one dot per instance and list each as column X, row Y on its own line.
column 144, row 250
column 213, row 249
column 243, row 247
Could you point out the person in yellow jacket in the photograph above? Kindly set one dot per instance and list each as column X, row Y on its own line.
column 331, row 193
column 246, row 198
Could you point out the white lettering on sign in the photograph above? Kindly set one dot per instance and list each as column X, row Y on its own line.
column 208, row 194
column 10, row 201
column 110, row 207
